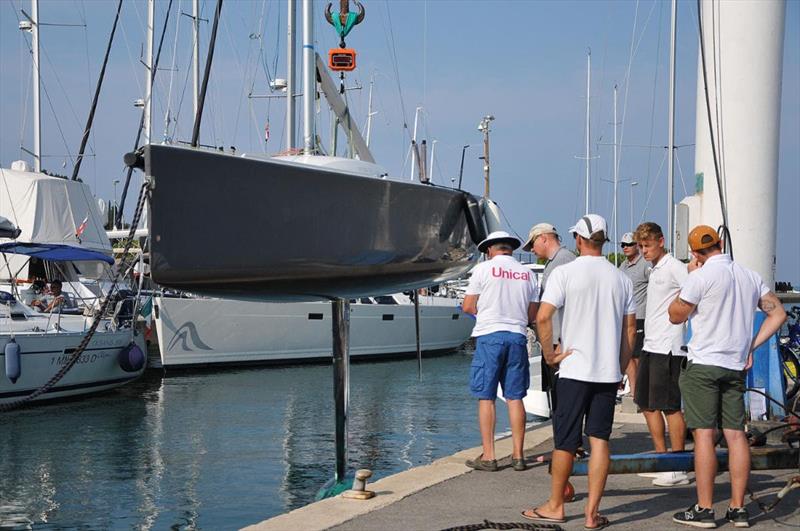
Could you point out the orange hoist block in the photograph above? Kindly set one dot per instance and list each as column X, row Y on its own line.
column 342, row 59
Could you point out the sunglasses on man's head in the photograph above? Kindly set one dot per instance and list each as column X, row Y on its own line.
column 628, row 244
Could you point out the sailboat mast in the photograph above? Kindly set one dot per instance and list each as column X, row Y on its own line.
column 37, row 119
column 148, row 63
column 195, row 55
column 616, row 178
column 309, row 77
column 588, row 124
column 291, row 133
column 414, row 141
column 671, row 141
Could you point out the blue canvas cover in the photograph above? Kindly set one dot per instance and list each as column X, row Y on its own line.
column 54, row 252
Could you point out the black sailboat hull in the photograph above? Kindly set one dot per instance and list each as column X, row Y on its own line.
column 266, row 229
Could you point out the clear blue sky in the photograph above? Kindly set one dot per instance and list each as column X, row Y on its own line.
column 523, row 62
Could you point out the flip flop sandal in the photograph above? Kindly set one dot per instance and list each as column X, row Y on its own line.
column 543, row 519
column 602, row 523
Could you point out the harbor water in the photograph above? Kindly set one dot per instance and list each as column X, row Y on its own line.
column 223, row 449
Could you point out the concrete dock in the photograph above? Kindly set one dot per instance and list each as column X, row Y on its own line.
column 447, row 494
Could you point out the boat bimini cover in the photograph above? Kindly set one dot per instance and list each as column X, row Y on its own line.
column 54, row 252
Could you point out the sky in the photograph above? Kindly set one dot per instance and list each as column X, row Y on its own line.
column 523, row 62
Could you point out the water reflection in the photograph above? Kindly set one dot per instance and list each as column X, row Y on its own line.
column 224, row 449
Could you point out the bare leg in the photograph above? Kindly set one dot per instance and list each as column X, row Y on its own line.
column 516, row 417
column 738, row 464
column 630, row 372
column 598, row 474
column 677, row 430
column 705, row 466
column 486, row 420
column 655, row 423
column 560, row 469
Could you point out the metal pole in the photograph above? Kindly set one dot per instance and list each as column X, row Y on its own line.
column 148, row 64
column 414, row 141
column 633, row 183
column 616, row 179
column 486, row 160
column 37, row 119
column 671, row 140
column 461, row 171
column 433, row 154
column 370, row 114
column 309, row 78
column 340, row 312
column 195, row 55
column 291, row 132
column 416, row 330
column 588, row 123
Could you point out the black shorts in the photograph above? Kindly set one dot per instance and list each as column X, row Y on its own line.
column 639, row 344
column 590, row 403
column 657, row 382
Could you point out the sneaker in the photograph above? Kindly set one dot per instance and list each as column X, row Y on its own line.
column 738, row 517
column 696, row 516
column 671, row 479
column 519, row 464
column 479, row 464
column 649, row 474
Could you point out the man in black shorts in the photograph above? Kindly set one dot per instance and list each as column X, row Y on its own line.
column 596, row 348
column 657, row 392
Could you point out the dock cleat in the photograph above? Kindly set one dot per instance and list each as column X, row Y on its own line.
column 739, row 517
column 696, row 516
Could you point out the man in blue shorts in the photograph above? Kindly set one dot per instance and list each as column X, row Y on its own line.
column 503, row 295
column 598, row 330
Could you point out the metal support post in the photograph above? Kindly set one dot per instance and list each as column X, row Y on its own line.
column 340, row 313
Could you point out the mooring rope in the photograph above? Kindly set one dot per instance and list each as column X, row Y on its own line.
column 101, row 312
column 506, row 525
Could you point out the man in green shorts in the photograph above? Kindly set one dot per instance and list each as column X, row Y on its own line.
column 721, row 298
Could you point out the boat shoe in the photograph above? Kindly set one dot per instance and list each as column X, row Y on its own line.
column 518, row 464
column 479, row 464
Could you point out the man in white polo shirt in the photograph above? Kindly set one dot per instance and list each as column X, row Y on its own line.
column 598, row 330
column 721, row 298
column 657, row 392
column 504, row 296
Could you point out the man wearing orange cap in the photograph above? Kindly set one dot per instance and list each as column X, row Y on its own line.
column 721, row 298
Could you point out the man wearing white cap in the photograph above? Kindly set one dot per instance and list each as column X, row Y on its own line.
column 597, row 335
column 545, row 242
column 504, row 296
column 638, row 269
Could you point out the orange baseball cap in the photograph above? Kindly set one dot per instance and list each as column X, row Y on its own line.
column 702, row 237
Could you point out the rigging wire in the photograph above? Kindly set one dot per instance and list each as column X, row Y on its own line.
column 173, row 69
column 655, row 183
column 719, row 178
column 655, row 87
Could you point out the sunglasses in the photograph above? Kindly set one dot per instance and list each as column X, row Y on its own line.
column 628, row 245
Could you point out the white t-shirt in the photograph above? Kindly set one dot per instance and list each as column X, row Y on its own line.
column 661, row 336
column 596, row 296
column 726, row 295
column 505, row 288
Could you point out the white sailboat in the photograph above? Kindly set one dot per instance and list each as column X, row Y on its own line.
column 57, row 234
column 205, row 331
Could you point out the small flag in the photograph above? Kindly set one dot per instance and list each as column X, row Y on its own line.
column 81, row 227
column 266, row 132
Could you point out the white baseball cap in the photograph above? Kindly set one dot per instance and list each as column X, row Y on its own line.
column 627, row 238
column 498, row 236
column 589, row 225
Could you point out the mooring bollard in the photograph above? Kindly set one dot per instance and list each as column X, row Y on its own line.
column 359, row 492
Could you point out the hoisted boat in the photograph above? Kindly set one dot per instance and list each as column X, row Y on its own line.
column 323, row 227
